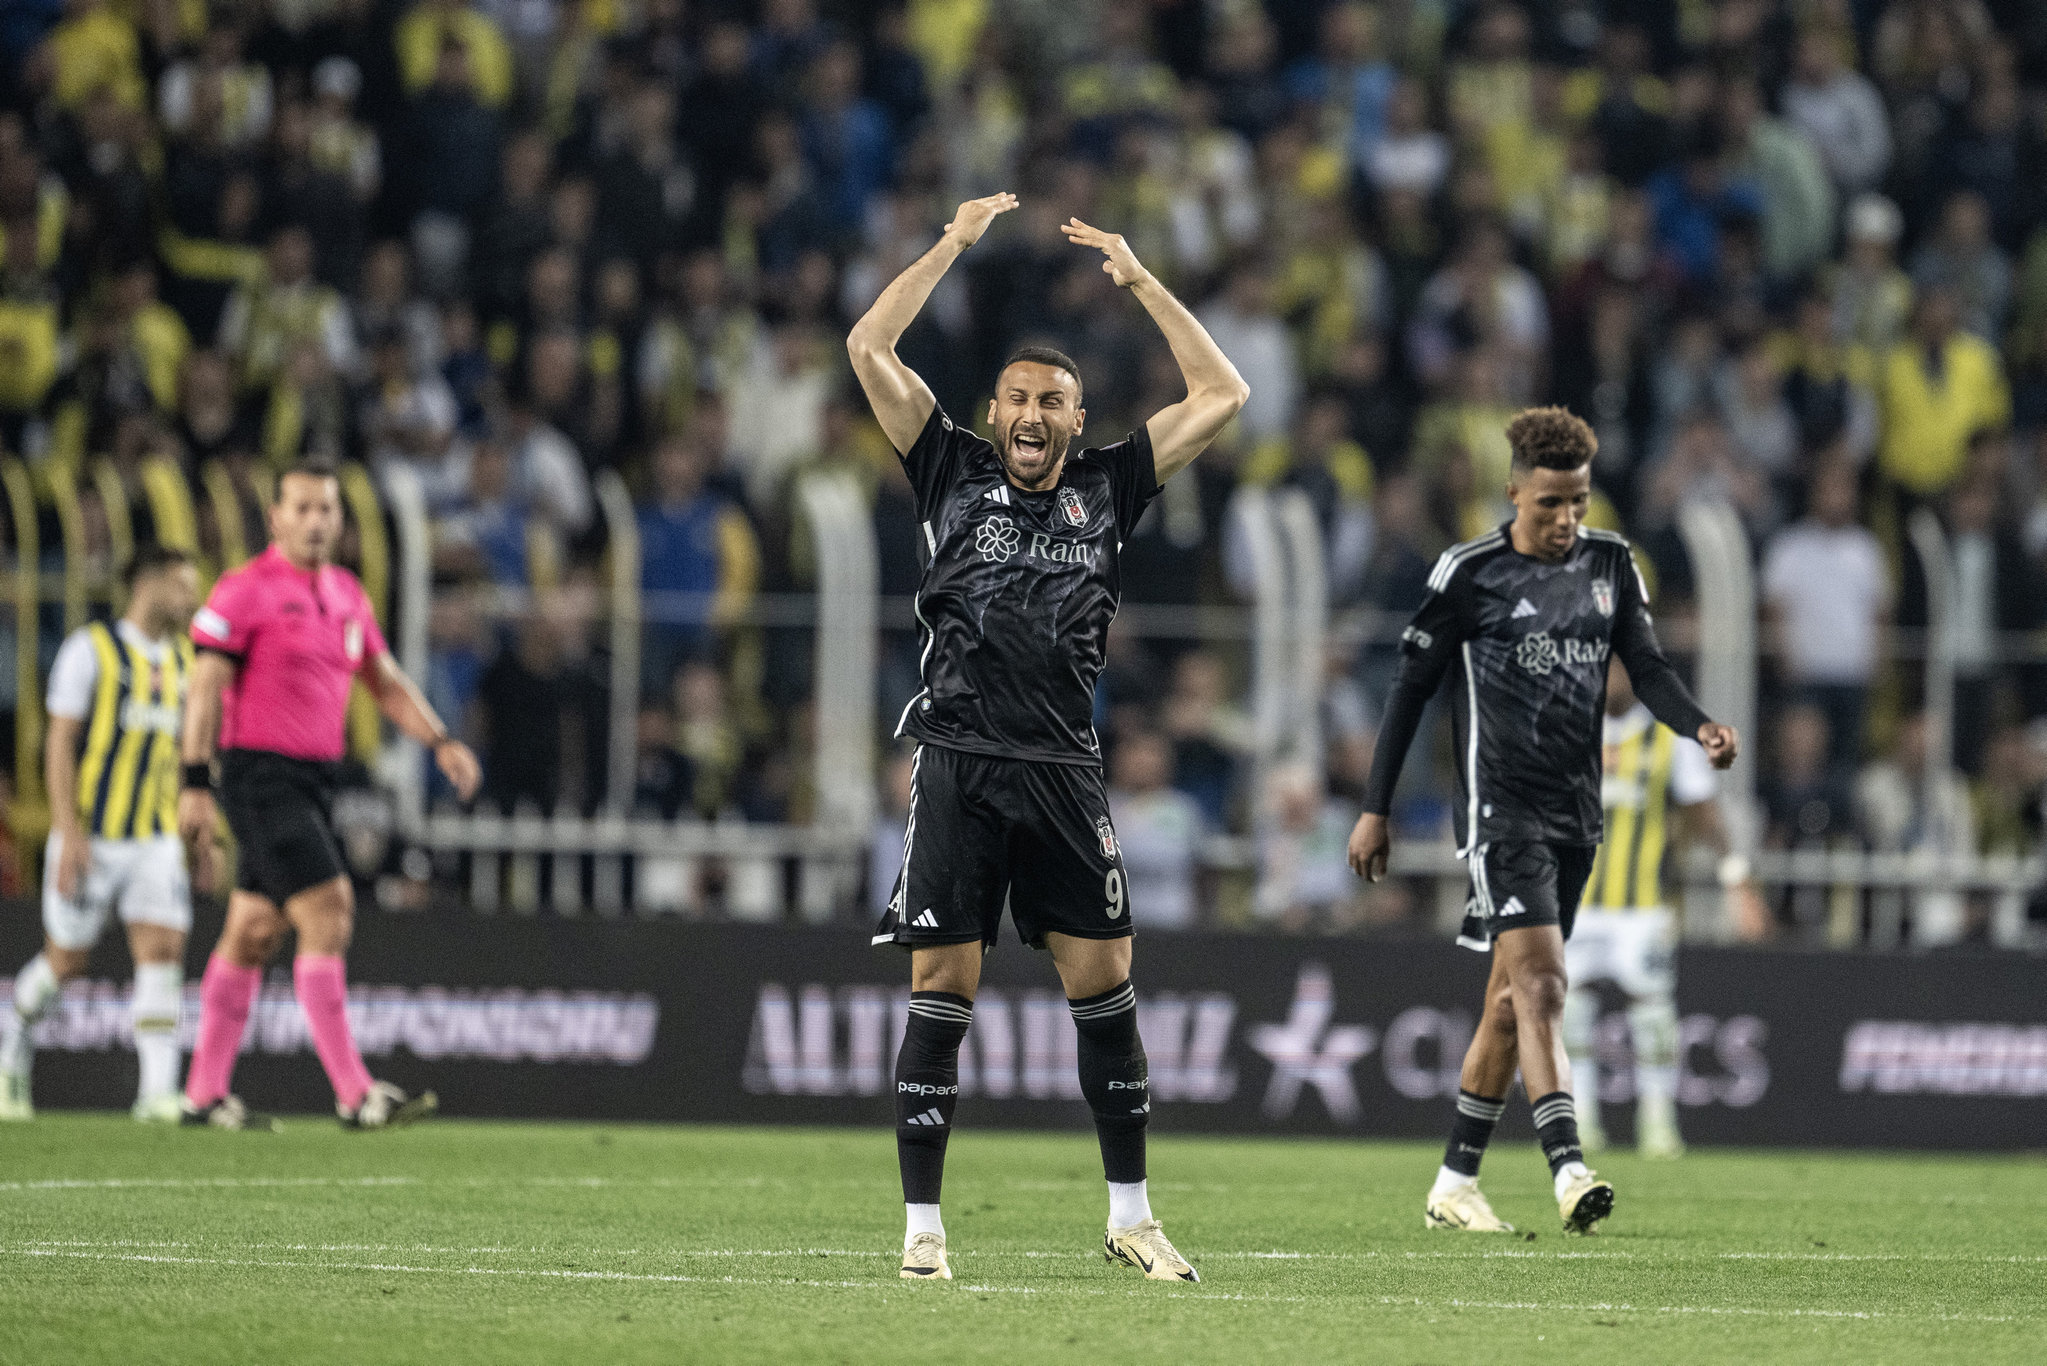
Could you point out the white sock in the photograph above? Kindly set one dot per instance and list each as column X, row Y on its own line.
column 159, row 989
column 1129, row 1203
column 1654, row 1024
column 921, row 1219
column 35, row 986
column 1447, row 1181
column 1566, row 1174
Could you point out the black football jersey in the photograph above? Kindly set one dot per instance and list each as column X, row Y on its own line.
column 1525, row 642
column 1018, row 594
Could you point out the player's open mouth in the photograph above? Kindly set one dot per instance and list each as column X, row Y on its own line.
column 1028, row 445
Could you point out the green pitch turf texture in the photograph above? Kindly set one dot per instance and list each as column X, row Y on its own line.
column 505, row 1243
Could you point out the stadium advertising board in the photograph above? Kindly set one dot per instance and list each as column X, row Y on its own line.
column 757, row 1024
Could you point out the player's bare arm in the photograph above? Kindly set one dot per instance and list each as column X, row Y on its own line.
column 902, row 402
column 60, row 777
column 1704, row 823
column 1215, row 391
column 399, row 699
column 197, row 813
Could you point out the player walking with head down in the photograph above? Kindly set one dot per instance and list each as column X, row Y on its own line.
column 111, row 763
column 280, row 641
column 1522, row 620
column 1007, row 797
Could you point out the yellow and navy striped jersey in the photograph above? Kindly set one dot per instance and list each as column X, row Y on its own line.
column 128, row 768
column 1647, row 770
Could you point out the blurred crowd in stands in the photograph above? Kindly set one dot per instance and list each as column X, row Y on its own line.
column 1788, row 254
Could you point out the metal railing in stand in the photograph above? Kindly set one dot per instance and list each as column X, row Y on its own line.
column 1725, row 590
column 847, row 645
column 1936, row 911
column 1307, row 603
column 1282, row 553
column 623, row 529
column 403, row 765
column 29, row 813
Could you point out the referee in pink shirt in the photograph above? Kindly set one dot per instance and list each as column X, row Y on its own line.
column 279, row 642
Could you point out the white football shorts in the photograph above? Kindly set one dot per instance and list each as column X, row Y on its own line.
column 144, row 880
column 1635, row 949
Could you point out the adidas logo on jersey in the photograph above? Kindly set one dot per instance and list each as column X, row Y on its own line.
column 1524, row 608
column 999, row 494
column 930, row 1119
column 926, row 921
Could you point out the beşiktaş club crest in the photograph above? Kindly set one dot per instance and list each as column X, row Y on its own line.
column 1602, row 596
column 1108, row 836
column 1072, row 506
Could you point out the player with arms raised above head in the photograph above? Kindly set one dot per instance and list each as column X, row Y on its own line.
column 1007, row 796
column 280, row 642
column 1522, row 620
column 117, row 695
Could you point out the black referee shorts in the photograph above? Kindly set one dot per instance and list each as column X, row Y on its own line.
column 983, row 830
column 1518, row 883
column 281, row 810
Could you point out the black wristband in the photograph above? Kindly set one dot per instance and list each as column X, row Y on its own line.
column 198, row 777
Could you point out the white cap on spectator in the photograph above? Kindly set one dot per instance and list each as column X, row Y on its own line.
column 1873, row 218
column 337, row 76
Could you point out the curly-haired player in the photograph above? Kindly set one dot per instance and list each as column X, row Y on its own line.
column 1522, row 620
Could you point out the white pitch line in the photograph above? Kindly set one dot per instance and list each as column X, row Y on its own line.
column 204, row 1182
column 1984, row 1259
column 1745, row 1311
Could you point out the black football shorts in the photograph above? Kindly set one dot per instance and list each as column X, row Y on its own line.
column 281, row 812
column 1518, row 883
column 985, row 832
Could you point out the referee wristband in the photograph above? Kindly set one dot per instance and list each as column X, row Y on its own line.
column 198, row 777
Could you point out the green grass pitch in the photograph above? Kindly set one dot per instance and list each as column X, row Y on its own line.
column 505, row 1243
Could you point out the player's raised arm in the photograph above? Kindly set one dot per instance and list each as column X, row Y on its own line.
column 401, row 700
column 902, row 402
column 1215, row 391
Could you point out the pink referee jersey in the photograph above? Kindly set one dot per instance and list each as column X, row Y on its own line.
column 299, row 639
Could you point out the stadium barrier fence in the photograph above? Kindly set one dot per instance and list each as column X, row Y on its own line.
column 613, row 860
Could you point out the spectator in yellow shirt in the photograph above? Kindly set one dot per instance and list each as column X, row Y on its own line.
column 28, row 336
column 94, row 48
column 1937, row 388
column 420, row 34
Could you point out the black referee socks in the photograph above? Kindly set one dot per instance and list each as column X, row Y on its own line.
column 927, row 1088
column 1115, row 1078
column 1556, row 1129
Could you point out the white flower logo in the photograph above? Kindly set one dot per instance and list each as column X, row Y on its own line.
column 1537, row 653
column 996, row 539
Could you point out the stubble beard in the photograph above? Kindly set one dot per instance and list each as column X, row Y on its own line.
column 1054, row 457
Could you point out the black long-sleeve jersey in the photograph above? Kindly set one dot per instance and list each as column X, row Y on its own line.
column 1525, row 643
column 1016, row 601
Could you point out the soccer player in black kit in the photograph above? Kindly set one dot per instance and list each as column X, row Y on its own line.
column 1522, row 620
column 1007, row 796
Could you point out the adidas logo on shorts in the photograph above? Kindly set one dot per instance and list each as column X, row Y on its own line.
column 926, row 921
column 930, row 1119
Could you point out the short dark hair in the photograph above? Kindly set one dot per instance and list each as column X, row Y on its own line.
column 1551, row 439
column 152, row 559
column 315, row 466
column 1043, row 355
